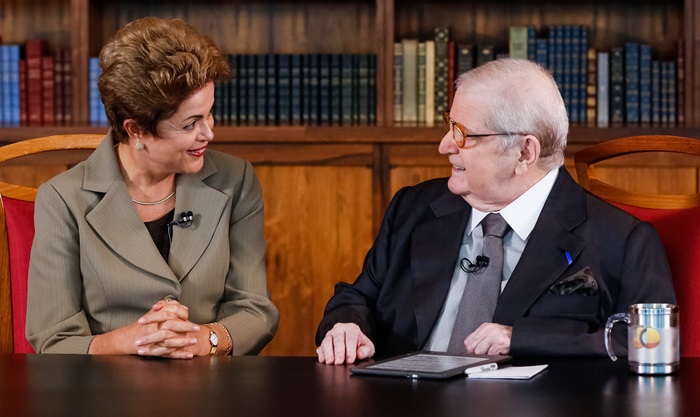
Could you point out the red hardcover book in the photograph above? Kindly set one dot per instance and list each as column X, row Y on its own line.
column 34, row 51
column 450, row 72
column 49, row 108
column 23, row 92
column 58, row 87
column 67, row 86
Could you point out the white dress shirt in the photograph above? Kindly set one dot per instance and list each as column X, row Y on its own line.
column 521, row 215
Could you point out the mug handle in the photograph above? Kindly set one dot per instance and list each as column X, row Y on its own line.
column 608, row 330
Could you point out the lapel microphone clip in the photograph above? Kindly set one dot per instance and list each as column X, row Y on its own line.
column 184, row 220
column 474, row 267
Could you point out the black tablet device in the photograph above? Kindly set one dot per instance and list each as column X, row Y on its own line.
column 425, row 364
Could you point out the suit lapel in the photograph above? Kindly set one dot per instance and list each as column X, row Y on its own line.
column 114, row 218
column 544, row 259
column 434, row 248
column 207, row 205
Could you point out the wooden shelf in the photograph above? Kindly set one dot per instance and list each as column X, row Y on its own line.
column 348, row 135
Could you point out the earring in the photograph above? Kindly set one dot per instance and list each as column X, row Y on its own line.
column 139, row 146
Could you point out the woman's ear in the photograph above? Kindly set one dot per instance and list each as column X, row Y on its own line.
column 132, row 129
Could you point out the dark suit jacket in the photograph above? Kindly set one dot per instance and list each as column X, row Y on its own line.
column 403, row 285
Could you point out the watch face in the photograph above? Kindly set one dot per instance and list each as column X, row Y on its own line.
column 214, row 339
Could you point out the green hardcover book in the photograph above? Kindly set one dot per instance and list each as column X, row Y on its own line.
column 421, row 84
column 410, row 81
column 517, row 42
column 398, row 82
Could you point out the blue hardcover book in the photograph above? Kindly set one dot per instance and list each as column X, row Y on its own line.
column 93, row 95
column 220, row 110
column 271, row 93
column 617, row 86
column 559, row 56
column 632, row 84
column 346, row 90
column 531, row 43
column 217, row 111
column 603, row 90
column 465, row 57
column 14, row 85
column 242, row 81
column 295, row 68
column 665, row 97
column 285, row 89
column 355, row 89
column 231, row 94
column 645, row 85
column 583, row 72
column 570, row 62
column 655, row 93
column 261, row 87
column 314, row 89
column 4, row 85
column 363, row 88
column 556, row 54
column 541, row 52
column 672, row 97
column 252, row 90
column 324, row 89
column 335, row 90
column 305, row 91
column 372, row 77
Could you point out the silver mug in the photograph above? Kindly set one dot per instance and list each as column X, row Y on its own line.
column 653, row 338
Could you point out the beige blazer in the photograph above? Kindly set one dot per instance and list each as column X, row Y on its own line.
column 94, row 267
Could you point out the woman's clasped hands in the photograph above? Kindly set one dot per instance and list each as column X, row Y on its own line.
column 166, row 331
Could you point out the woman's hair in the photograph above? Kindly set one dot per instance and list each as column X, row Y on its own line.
column 150, row 67
column 521, row 96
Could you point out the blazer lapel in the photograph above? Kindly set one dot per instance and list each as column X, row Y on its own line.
column 544, row 259
column 434, row 248
column 207, row 205
column 114, row 218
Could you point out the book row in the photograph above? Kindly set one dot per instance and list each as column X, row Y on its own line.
column 623, row 86
column 286, row 89
column 35, row 86
column 296, row 89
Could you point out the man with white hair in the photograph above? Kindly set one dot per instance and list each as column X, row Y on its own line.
column 507, row 256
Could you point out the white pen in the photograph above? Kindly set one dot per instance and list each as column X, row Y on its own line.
column 481, row 368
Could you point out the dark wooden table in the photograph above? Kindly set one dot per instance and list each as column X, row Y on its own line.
column 81, row 385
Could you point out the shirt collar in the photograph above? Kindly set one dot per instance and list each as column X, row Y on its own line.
column 523, row 212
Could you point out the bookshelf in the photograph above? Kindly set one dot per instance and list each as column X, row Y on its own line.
column 326, row 187
column 356, row 27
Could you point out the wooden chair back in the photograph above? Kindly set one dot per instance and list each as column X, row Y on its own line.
column 17, row 231
column 675, row 217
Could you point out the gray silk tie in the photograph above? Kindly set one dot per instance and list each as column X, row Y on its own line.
column 483, row 286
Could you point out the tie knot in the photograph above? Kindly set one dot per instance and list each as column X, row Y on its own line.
column 494, row 225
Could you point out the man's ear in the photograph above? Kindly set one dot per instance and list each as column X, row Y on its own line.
column 132, row 129
column 528, row 155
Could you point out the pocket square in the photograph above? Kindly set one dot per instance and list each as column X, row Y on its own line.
column 580, row 283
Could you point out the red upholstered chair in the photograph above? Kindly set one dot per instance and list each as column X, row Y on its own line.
column 17, row 232
column 676, row 218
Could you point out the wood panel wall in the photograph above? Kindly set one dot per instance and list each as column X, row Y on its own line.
column 323, row 203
